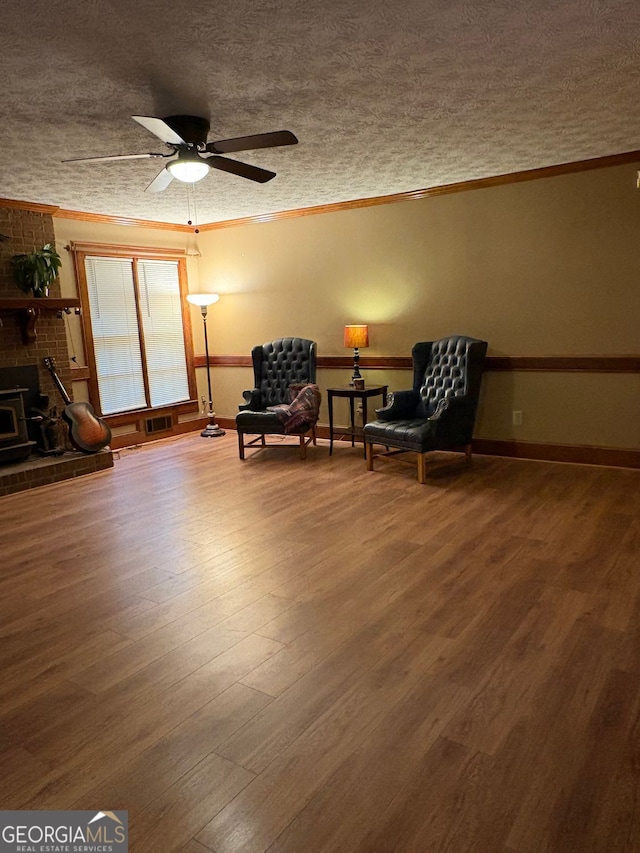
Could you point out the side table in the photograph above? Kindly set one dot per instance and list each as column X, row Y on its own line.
column 353, row 394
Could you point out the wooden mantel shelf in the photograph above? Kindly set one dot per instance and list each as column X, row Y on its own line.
column 29, row 309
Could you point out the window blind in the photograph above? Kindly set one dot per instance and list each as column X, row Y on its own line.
column 161, row 312
column 116, row 339
column 119, row 349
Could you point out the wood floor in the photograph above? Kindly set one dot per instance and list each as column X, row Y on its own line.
column 297, row 657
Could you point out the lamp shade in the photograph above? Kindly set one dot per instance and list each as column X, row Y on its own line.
column 202, row 299
column 189, row 167
column 356, row 336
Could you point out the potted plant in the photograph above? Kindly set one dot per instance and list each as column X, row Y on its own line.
column 36, row 271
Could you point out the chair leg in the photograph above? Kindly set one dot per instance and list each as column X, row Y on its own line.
column 368, row 452
column 303, row 448
column 422, row 468
column 314, row 436
column 241, row 444
column 467, row 452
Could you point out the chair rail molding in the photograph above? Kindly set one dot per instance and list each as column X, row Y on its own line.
column 501, row 363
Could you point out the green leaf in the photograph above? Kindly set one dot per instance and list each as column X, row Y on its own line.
column 35, row 272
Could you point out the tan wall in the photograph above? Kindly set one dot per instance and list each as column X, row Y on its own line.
column 545, row 267
column 542, row 267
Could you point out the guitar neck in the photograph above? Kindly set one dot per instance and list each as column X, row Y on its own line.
column 49, row 363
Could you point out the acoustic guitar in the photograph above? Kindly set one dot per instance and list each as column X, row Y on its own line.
column 88, row 432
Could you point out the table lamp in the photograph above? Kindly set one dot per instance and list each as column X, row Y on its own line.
column 356, row 337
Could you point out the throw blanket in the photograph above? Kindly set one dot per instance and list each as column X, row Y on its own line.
column 302, row 412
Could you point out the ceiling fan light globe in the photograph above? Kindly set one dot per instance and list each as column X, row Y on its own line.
column 189, row 171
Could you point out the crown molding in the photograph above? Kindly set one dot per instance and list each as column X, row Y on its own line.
column 445, row 189
column 31, row 206
column 104, row 219
column 413, row 195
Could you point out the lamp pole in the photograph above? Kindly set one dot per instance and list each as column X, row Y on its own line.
column 356, row 365
column 203, row 300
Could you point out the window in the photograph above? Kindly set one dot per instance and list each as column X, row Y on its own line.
column 136, row 329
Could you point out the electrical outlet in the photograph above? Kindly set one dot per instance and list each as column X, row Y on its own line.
column 517, row 418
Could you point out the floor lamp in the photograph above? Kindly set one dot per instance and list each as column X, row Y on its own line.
column 203, row 300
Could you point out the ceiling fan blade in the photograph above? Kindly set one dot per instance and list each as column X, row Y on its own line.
column 160, row 129
column 243, row 170
column 113, row 157
column 247, row 143
column 160, row 182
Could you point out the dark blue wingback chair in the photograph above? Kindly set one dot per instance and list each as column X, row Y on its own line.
column 439, row 412
column 277, row 366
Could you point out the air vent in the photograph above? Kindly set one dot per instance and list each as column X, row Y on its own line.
column 159, row 424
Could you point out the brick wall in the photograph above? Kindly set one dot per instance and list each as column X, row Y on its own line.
column 28, row 230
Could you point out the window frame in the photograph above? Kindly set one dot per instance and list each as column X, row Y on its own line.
column 82, row 251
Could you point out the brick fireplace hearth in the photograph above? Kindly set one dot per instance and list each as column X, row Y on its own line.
column 40, row 471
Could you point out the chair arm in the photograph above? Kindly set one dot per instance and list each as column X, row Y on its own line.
column 455, row 417
column 252, row 399
column 403, row 405
column 452, row 407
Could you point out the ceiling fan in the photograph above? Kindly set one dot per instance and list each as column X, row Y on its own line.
column 191, row 156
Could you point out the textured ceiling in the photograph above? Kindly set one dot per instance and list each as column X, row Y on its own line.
column 384, row 97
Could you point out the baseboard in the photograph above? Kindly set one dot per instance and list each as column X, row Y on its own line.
column 581, row 454
column 226, row 423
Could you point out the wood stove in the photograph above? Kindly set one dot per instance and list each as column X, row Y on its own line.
column 15, row 444
column 19, row 394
